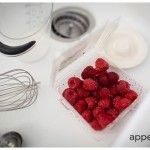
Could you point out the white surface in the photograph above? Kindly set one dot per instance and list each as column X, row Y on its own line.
column 137, row 126
column 47, row 122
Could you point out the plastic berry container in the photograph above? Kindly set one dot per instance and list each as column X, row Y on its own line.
column 72, row 63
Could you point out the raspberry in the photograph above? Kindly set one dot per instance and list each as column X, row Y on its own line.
column 116, row 102
column 80, row 99
column 101, row 73
column 82, row 93
column 70, row 95
column 90, row 85
column 95, row 125
column 104, row 119
column 101, row 64
column 122, row 86
column 117, row 98
column 97, row 111
column 95, row 93
column 124, row 103
column 104, row 93
column 91, row 102
column 88, row 72
column 131, row 95
column 113, row 77
column 87, row 115
column 80, row 106
column 105, row 103
column 74, row 83
column 113, row 90
column 121, row 103
column 113, row 112
column 103, row 80
column 96, row 79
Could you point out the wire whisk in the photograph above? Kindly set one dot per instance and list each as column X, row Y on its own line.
column 18, row 89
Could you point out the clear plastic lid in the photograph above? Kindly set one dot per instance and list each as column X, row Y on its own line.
column 91, row 45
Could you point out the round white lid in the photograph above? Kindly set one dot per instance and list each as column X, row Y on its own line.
column 126, row 48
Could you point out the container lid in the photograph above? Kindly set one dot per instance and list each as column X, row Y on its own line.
column 90, row 45
column 127, row 48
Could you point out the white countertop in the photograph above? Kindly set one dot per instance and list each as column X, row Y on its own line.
column 47, row 123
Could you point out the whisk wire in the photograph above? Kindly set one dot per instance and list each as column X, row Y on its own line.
column 18, row 89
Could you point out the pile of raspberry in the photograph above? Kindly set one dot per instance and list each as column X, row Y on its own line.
column 99, row 97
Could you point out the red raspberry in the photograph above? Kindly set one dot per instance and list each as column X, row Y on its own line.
column 117, row 98
column 74, row 83
column 95, row 125
column 105, row 103
column 87, row 115
column 80, row 106
column 90, row 85
column 104, row 93
column 97, row 111
column 113, row 90
column 113, row 112
column 101, row 64
column 103, row 80
column 113, row 78
column 95, row 93
column 116, row 102
column 131, row 95
column 91, row 102
column 70, row 95
column 80, row 99
column 101, row 73
column 122, row 86
column 88, row 72
column 96, row 79
column 104, row 119
column 121, row 103
column 82, row 93
column 124, row 103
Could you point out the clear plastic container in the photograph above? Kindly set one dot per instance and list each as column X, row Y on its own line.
column 72, row 63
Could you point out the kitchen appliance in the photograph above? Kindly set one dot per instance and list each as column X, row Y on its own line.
column 25, row 30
